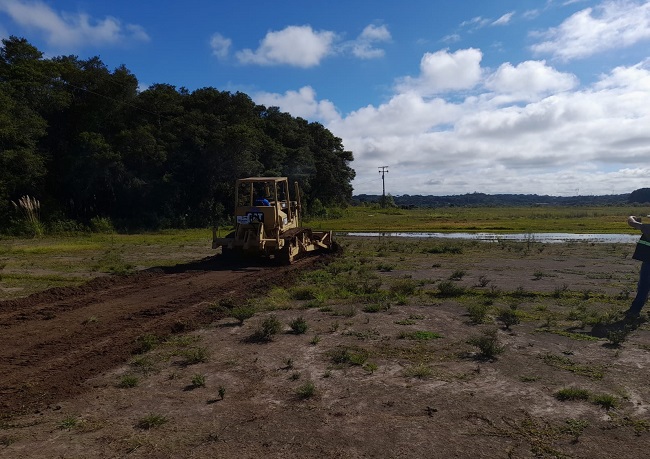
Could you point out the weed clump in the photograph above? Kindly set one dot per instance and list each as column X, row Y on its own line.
column 448, row 289
column 508, row 317
column 420, row 335
column 298, row 326
column 151, row 421
column 478, row 312
column 488, row 344
column 266, row 330
column 572, row 393
column 348, row 357
column 196, row 355
column 306, row 390
column 241, row 313
column 198, row 380
column 128, row 381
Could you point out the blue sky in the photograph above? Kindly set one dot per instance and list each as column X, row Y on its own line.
column 502, row 96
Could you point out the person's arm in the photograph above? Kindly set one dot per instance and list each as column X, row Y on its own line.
column 636, row 224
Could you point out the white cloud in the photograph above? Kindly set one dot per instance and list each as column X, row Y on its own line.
column 451, row 38
column 64, row 30
column 300, row 103
column 364, row 47
column 529, row 80
column 443, row 71
column 298, row 46
column 220, row 45
column 614, row 24
column 503, row 20
column 475, row 23
column 565, row 138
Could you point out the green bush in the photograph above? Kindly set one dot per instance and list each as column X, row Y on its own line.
column 298, row 325
column 488, row 344
column 572, row 393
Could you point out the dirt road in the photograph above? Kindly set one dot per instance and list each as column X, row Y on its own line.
column 53, row 341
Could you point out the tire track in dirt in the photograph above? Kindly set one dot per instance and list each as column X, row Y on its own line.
column 53, row 341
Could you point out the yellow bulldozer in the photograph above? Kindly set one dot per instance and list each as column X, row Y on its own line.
column 267, row 223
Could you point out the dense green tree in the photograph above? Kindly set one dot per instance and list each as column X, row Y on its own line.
column 641, row 195
column 87, row 141
column 22, row 168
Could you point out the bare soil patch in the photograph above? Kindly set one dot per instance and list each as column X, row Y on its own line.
column 381, row 372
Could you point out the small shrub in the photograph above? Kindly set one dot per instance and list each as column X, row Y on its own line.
column 102, row 225
column 198, row 380
column 69, row 423
column 306, row 390
column 494, row 292
column 488, row 344
column 483, row 281
column 267, row 329
column 418, row 371
column 128, row 381
column 298, row 326
column 572, row 393
column 385, row 267
column 146, row 343
column 420, row 335
column 222, row 392
column 406, row 287
column 370, row 367
column 478, row 312
column 606, row 401
column 508, row 317
column 195, row 355
column 575, row 427
column 457, row 275
column 241, row 313
column 345, row 356
column 449, row 289
column 151, row 421
column 305, row 293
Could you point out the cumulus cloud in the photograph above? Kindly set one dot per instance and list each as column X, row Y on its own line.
column 300, row 103
column 220, row 45
column 298, row 46
column 567, row 137
column 612, row 25
column 444, row 71
column 528, row 80
column 64, row 30
column 364, row 46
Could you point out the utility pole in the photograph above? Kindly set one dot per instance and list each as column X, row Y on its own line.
column 383, row 170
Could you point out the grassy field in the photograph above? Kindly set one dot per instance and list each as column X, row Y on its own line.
column 30, row 265
column 480, row 219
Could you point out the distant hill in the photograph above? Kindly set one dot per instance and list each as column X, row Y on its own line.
column 482, row 199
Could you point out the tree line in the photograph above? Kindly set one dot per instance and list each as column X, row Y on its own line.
column 504, row 200
column 87, row 143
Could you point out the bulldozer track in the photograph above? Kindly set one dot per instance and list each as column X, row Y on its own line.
column 55, row 340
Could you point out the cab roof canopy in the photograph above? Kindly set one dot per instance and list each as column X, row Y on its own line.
column 262, row 179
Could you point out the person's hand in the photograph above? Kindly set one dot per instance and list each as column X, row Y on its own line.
column 633, row 222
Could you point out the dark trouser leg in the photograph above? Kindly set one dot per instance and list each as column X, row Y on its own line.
column 643, row 288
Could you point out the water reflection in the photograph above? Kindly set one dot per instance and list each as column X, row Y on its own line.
column 518, row 237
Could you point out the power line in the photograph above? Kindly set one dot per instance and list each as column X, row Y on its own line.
column 383, row 170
